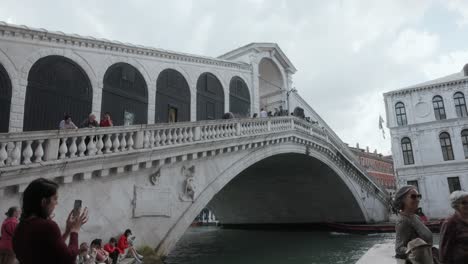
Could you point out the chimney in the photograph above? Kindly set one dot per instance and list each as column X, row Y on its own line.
column 367, row 149
column 375, row 151
column 357, row 145
column 465, row 70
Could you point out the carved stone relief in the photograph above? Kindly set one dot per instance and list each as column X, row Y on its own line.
column 190, row 187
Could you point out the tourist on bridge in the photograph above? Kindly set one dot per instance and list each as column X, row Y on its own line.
column 37, row 237
column 67, row 123
column 454, row 232
column 90, row 122
column 7, row 256
column 263, row 113
column 125, row 244
column 106, row 120
column 413, row 238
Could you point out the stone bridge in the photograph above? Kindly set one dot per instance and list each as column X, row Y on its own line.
column 156, row 178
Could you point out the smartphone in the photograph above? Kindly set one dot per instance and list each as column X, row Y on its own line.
column 77, row 207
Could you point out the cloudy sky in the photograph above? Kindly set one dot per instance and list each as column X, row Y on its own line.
column 347, row 52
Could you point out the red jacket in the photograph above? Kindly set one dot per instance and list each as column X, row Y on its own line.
column 110, row 248
column 123, row 243
column 39, row 240
column 7, row 231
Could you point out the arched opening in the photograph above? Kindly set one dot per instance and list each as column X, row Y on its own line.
column 286, row 189
column 56, row 85
column 271, row 85
column 210, row 97
column 239, row 98
column 125, row 95
column 5, row 100
column 172, row 97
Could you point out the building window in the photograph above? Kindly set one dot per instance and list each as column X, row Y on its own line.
column 460, row 104
column 439, row 109
column 454, row 184
column 446, row 145
column 464, row 136
column 414, row 183
column 407, row 149
column 401, row 114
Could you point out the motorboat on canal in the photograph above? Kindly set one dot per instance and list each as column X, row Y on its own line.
column 434, row 226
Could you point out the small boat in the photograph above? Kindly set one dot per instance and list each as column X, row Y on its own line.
column 434, row 226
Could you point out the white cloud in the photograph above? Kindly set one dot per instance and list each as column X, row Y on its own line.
column 461, row 7
column 446, row 64
column 412, row 46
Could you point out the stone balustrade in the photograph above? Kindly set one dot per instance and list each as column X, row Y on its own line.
column 19, row 151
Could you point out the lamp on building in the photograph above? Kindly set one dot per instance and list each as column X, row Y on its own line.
column 292, row 90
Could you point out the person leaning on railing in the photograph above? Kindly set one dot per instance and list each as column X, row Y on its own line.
column 454, row 231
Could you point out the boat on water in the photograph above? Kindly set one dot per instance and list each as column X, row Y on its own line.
column 434, row 226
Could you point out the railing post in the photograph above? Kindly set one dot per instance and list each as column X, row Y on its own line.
column 51, row 148
column 292, row 123
column 197, row 133
column 238, row 129
column 269, row 125
column 139, row 138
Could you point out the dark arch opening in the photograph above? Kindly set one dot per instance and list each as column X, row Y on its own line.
column 210, row 97
column 286, row 189
column 172, row 97
column 125, row 95
column 56, row 85
column 239, row 98
column 5, row 100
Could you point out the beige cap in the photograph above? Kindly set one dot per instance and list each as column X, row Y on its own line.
column 415, row 243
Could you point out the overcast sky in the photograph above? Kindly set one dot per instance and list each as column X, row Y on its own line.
column 347, row 52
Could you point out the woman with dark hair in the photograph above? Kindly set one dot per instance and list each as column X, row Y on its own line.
column 101, row 256
column 7, row 256
column 413, row 238
column 37, row 237
column 113, row 250
column 125, row 245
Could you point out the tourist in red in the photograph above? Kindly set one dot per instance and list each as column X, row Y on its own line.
column 37, row 237
column 7, row 256
column 113, row 250
column 106, row 120
column 126, row 245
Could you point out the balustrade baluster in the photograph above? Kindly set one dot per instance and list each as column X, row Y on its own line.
column 82, row 146
column 157, row 138
column 91, row 147
column 116, row 143
column 130, row 142
column 163, row 137
column 123, row 141
column 16, row 153
column 99, row 144
column 3, row 154
column 169, row 137
column 27, row 152
column 146, row 139
column 108, row 144
column 39, row 153
column 151, row 139
column 182, row 135
column 63, row 149
column 73, row 148
column 190, row 134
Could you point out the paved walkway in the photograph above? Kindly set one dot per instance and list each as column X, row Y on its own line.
column 380, row 253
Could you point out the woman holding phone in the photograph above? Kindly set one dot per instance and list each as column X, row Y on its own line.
column 38, row 238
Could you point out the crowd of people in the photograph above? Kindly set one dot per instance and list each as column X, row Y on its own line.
column 414, row 240
column 90, row 122
column 31, row 236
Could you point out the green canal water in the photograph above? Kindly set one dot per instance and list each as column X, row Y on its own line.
column 212, row 245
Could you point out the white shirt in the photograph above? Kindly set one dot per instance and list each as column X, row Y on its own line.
column 263, row 113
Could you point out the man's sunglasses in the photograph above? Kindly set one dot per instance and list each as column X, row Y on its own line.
column 416, row 196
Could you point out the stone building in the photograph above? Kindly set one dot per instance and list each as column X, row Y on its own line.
column 428, row 124
column 378, row 166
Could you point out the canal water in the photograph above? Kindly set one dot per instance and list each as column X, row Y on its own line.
column 213, row 245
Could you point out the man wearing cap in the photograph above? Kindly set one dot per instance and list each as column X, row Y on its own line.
column 454, row 231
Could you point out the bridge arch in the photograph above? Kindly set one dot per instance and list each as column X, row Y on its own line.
column 230, row 173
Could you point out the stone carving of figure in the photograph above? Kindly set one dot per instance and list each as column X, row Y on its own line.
column 155, row 177
column 190, row 187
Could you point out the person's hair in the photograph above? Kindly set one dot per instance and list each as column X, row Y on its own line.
column 32, row 197
column 11, row 211
column 400, row 195
column 96, row 242
column 112, row 240
column 455, row 198
column 127, row 232
column 66, row 116
column 107, row 113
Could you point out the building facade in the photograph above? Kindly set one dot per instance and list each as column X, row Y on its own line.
column 378, row 166
column 428, row 124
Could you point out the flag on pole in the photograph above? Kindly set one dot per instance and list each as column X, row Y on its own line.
column 381, row 121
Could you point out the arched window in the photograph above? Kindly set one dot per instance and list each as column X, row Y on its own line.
column 401, row 114
column 125, row 95
column 5, row 100
column 464, row 136
column 239, row 98
column 446, row 145
column 439, row 109
column 210, row 97
column 172, row 97
column 56, row 85
column 460, row 104
column 407, row 150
